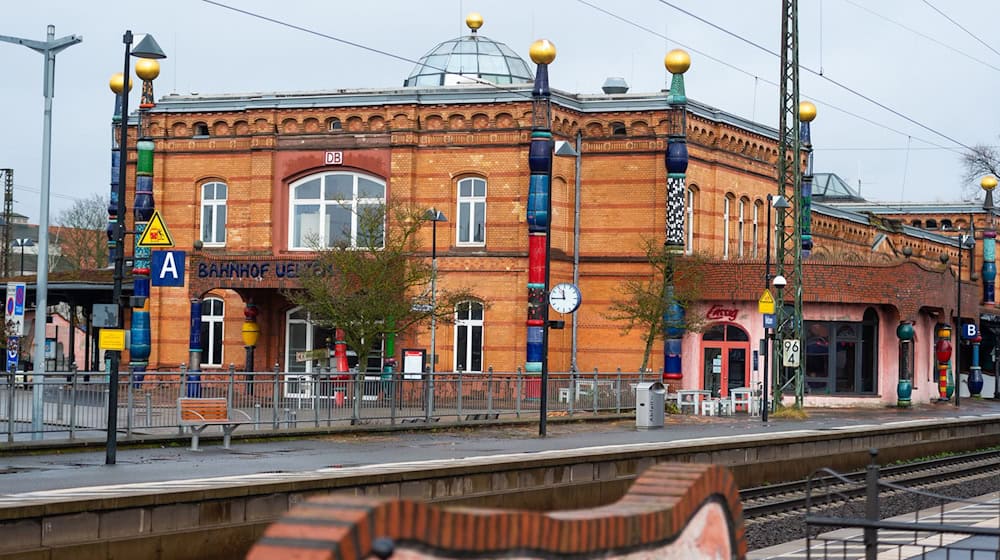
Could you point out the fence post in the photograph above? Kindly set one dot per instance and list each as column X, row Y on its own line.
column 489, row 391
column 517, row 406
column 618, row 391
column 393, row 398
column 10, row 406
column 60, row 401
column 572, row 391
column 256, row 416
column 871, row 506
column 316, row 401
column 149, row 409
column 458, row 396
column 595, row 390
column 232, row 381
column 131, row 404
column 274, row 397
column 183, row 393
column 359, row 394
column 72, row 404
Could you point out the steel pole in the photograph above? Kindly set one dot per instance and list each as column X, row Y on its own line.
column 767, row 334
column 958, row 325
column 434, row 271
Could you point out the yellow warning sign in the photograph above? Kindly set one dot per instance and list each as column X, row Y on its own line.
column 765, row 304
column 155, row 234
column 111, row 339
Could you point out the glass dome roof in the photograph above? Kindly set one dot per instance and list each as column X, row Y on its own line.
column 460, row 60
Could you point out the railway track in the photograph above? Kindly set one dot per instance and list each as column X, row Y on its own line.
column 790, row 497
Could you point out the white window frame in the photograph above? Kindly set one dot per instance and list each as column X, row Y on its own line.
column 470, row 202
column 212, row 206
column 756, row 228
column 692, row 195
column 469, row 324
column 725, row 225
column 212, row 319
column 354, row 204
column 740, row 234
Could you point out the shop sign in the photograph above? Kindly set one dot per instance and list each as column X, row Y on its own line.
column 719, row 313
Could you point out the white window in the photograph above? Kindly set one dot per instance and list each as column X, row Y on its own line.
column 692, row 197
column 212, row 319
column 336, row 209
column 756, row 228
column 469, row 337
column 740, row 225
column 213, row 214
column 472, row 211
column 302, row 336
column 726, row 204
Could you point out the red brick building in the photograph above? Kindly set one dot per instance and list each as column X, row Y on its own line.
column 250, row 176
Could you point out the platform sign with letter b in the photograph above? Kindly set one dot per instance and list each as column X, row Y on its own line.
column 969, row 331
column 790, row 351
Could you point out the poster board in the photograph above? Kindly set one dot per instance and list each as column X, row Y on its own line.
column 414, row 360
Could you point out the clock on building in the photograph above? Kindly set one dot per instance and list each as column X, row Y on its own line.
column 564, row 298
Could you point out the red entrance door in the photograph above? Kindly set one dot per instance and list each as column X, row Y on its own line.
column 725, row 366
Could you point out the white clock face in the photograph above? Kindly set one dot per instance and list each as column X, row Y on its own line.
column 564, row 298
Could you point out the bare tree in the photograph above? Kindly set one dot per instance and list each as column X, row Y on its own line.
column 647, row 300
column 982, row 160
column 82, row 242
column 370, row 284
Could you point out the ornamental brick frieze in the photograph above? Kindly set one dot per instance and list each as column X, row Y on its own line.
column 303, row 142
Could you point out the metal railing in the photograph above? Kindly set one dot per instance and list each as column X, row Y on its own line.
column 942, row 526
column 75, row 404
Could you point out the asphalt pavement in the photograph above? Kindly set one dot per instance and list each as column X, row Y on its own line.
column 65, row 469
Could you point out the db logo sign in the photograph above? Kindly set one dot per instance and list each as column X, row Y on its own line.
column 334, row 158
column 969, row 331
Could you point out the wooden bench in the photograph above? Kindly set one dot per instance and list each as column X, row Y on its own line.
column 200, row 413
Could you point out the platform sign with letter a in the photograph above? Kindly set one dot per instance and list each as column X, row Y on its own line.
column 167, row 268
column 156, row 234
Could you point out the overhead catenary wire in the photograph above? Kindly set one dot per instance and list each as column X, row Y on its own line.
column 960, row 26
column 765, row 80
column 837, row 83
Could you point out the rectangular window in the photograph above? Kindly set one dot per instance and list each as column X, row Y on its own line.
column 213, row 214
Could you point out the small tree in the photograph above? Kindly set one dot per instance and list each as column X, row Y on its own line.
column 645, row 300
column 368, row 285
column 83, row 244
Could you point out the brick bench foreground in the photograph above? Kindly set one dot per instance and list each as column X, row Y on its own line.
column 672, row 511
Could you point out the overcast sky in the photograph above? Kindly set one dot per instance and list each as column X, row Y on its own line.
column 932, row 79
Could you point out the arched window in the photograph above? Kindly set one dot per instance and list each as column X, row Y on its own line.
column 200, row 130
column 740, row 225
column 931, row 224
column 334, row 125
column 213, row 214
column 471, row 211
column 757, row 205
column 917, row 223
column 302, row 335
column 692, row 199
column 727, row 204
column 945, row 224
column 213, row 314
column 618, row 129
column 469, row 336
column 333, row 209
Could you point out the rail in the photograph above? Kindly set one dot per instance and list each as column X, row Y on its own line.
column 74, row 404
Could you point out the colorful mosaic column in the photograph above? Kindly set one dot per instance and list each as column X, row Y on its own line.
column 975, row 381
column 194, row 350
column 539, row 204
column 904, row 387
column 250, row 333
column 142, row 211
column 677, row 62
column 989, row 183
column 117, row 84
column 807, row 112
column 942, row 352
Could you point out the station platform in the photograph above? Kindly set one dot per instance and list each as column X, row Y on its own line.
column 902, row 545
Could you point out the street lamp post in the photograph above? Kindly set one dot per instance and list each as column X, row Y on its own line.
column 962, row 238
column 147, row 48
column 49, row 49
column 781, row 205
column 435, row 216
column 23, row 242
column 988, row 183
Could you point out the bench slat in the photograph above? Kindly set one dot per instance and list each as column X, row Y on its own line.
column 203, row 410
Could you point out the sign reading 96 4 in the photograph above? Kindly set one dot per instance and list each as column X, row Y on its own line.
column 790, row 351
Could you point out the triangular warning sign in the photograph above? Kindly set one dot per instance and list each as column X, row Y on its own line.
column 155, row 234
column 766, row 297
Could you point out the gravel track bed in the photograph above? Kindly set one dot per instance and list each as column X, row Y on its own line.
column 781, row 528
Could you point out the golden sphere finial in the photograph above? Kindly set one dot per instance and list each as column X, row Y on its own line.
column 116, row 82
column 807, row 111
column 147, row 69
column 677, row 61
column 542, row 51
column 474, row 21
column 988, row 183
